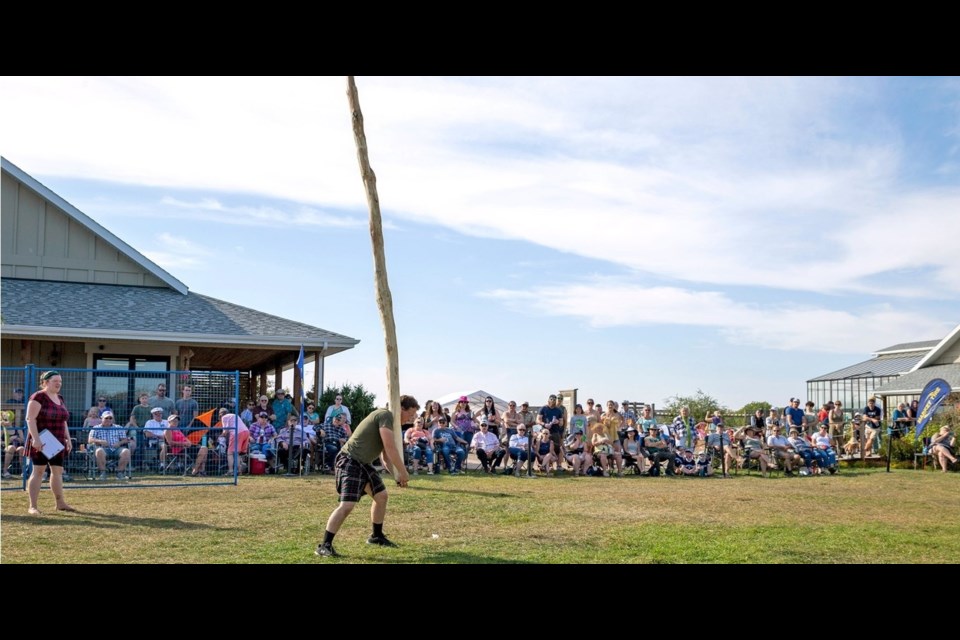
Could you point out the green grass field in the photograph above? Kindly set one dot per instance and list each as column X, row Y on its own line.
column 863, row 516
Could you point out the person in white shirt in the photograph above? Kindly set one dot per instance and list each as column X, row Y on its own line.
column 155, row 432
column 487, row 448
column 519, row 449
column 780, row 448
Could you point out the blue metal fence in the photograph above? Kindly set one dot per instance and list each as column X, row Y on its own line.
column 142, row 461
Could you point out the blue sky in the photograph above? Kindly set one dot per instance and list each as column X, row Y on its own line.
column 634, row 238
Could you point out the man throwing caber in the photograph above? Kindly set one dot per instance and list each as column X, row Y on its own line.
column 355, row 474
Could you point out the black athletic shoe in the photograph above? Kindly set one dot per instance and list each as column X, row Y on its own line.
column 326, row 550
column 380, row 540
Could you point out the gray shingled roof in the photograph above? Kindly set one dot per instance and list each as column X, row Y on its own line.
column 44, row 303
column 875, row 367
column 924, row 345
column 915, row 381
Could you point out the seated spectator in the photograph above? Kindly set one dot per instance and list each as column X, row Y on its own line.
column 811, row 456
column 822, row 442
column 177, row 443
column 657, row 450
column 110, row 441
column 753, row 450
column 487, row 447
column 602, row 448
column 780, row 448
column 13, row 440
column 419, row 448
column 334, row 437
column 548, row 451
column 633, row 449
column 519, row 449
column 291, row 448
column 942, row 447
column 155, row 433
column 262, row 434
column 446, row 441
column 93, row 418
column 576, row 455
column 686, row 464
column 238, row 435
column 718, row 439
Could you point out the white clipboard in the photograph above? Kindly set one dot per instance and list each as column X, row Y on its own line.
column 50, row 446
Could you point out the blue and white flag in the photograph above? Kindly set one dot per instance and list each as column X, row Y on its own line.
column 932, row 397
column 303, row 389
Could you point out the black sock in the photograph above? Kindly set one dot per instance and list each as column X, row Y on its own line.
column 328, row 537
column 377, row 530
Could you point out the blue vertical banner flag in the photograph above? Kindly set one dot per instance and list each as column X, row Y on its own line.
column 932, row 397
column 303, row 388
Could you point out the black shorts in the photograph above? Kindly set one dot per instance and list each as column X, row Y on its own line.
column 41, row 460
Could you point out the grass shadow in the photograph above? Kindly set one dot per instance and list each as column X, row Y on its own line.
column 93, row 519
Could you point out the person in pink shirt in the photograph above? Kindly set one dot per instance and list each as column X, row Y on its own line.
column 238, row 437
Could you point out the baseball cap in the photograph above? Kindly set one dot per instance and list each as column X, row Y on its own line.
column 106, row 414
column 263, row 414
column 156, row 410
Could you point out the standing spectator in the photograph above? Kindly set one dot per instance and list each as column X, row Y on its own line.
column 550, row 417
column 578, row 421
column 464, row 420
column 489, row 413
column 312, row 415
column 772, row 420
column 160, row 399
column 281, row 408
column 684, row 429
column 612, row 421
column 757, row 421
column 16, row 398
column 901, row 420
column 338, row 408
column 487, row 447
column 101, row 406
column 794, row 415
column 432, row 415
column 629, row 415
column 873, row 422
column 913, row 410
column 140, row 413
column 509, row 421
column 247, row 414
column 238, row 435
column 110, row 441
column 186, row 407
column 810, row 418
column 527, row 418
column 48, row 410
column 263, row 406
column 835, row 421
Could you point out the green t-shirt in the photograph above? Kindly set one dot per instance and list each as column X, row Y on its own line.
column 141, row 414
column 365, row 444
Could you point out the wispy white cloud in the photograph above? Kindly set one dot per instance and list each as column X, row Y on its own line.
column 787, row 327
column 168, row 250
column 773, row 182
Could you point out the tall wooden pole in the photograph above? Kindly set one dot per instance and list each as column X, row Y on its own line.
column 384, row 299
